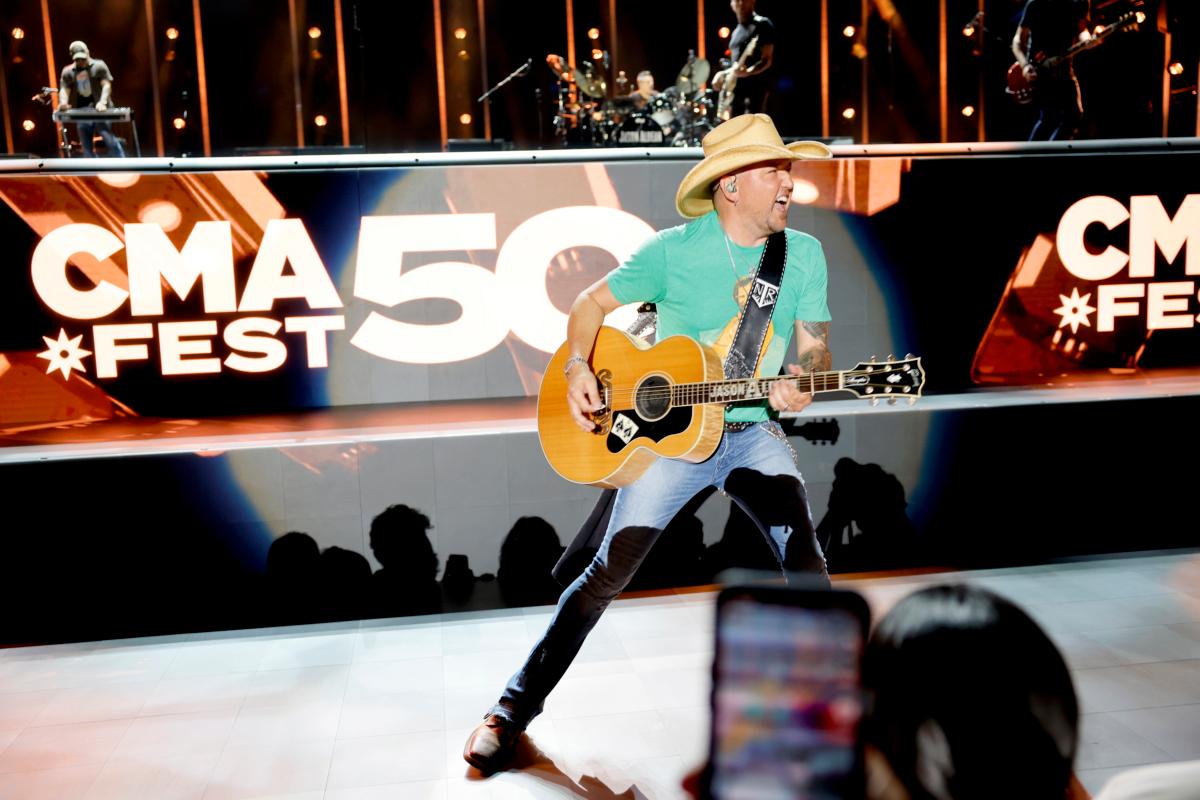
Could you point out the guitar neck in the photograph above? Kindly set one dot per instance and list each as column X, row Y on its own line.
column 733, row 391
column 1095, row 40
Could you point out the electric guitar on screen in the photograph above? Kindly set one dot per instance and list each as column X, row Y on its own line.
column 1024, row 90
column 725, row 98
column 669, row 400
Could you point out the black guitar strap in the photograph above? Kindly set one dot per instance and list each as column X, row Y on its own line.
column 760, row 305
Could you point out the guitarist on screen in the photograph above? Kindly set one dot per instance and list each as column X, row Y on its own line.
column 752, row 89
column 1048, row 28
column 709, row 281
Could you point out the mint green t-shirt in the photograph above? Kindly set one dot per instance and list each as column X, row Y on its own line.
column 688, row 273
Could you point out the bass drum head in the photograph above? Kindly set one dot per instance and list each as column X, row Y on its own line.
column 638, row 130
column 662, row 111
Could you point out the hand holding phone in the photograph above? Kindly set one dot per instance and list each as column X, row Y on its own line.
column 787, row 697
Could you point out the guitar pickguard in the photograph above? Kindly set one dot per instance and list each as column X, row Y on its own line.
column 626, row 426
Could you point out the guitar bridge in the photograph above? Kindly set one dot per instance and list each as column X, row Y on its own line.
column 603, row 417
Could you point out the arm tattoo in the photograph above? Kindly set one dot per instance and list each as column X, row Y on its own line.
column 816, row 357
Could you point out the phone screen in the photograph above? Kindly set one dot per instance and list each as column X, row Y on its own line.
column 787, row 700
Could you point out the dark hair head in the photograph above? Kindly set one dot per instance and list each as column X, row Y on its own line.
column 291, row 554
column 970, row 699
column 399, row 540
column 531, row 539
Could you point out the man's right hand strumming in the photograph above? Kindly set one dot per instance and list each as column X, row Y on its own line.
column 583, row 395
column 583, row 323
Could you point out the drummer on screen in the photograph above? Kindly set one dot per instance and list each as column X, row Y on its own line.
column 645, row 91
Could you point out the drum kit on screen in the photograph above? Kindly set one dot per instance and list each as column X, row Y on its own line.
column 588, row 116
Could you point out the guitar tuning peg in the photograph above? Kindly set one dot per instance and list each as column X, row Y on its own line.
column 912, row 401
column 891, row 357
column 874, row 402
column 909, row 356
column 872, row 358
column 891, row 401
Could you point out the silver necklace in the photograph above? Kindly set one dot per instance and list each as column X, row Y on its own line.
column 732, row 263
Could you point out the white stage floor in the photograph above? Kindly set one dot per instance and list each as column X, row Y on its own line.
column 380, row 709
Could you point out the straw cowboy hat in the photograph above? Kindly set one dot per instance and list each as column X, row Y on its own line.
column 740, row 142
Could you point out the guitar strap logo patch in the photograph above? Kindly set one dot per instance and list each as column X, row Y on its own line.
column 764, row 294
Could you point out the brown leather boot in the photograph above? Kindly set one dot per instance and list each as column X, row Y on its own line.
column 492, row 745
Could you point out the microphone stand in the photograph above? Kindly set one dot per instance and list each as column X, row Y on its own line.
column 516, row 73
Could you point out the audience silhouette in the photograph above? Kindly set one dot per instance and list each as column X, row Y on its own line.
column 527, row 558
column 293, row 573
column 406, row 582
column 345, row 582
column 866, row 525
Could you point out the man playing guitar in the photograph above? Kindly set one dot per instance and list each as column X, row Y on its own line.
column 1051, row 27
column 703, row 278
column 750, row 61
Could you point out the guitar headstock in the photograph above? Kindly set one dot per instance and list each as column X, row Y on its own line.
column 889, row 379
column 1127, row 21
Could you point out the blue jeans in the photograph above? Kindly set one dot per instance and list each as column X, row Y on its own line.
column 88, row 129
column 755, row 467
column 1060, row 109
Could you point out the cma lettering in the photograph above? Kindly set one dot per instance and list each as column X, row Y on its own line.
column 1165, row 305
column 154, row 264
column 513, row 298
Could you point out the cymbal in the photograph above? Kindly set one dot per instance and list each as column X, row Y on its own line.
column 692, row 76
column 591, row 83
column 558, row 66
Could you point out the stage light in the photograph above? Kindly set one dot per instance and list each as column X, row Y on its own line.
column 460, row 33
column 28, row 125
column 804, row 192
column 314, row 32
column 18, row 33
column 593, row 33
column 172, row 33
column 848, row 113
column 968, row 111
column 320, row 120
column 180, row 123
column 597, row 55
column 1141, row 17
column 1097, row 30
column 968, row 30
column 465, row 119
column 161, row 212
column 723, row 32
column 849, row 31
column 859, row 50
column 1176, row 68
column 463, row 55
column 169, row 55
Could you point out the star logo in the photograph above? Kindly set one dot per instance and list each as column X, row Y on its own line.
column 64, row 354
column 1074, row 310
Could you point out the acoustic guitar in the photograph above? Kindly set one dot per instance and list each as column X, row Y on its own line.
column 668, row 400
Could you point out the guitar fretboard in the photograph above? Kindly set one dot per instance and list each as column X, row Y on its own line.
column 732, row 391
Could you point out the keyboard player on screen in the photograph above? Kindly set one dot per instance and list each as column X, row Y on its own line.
column 87, row 82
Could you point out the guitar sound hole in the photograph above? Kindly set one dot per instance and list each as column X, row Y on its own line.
column 653, row 398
